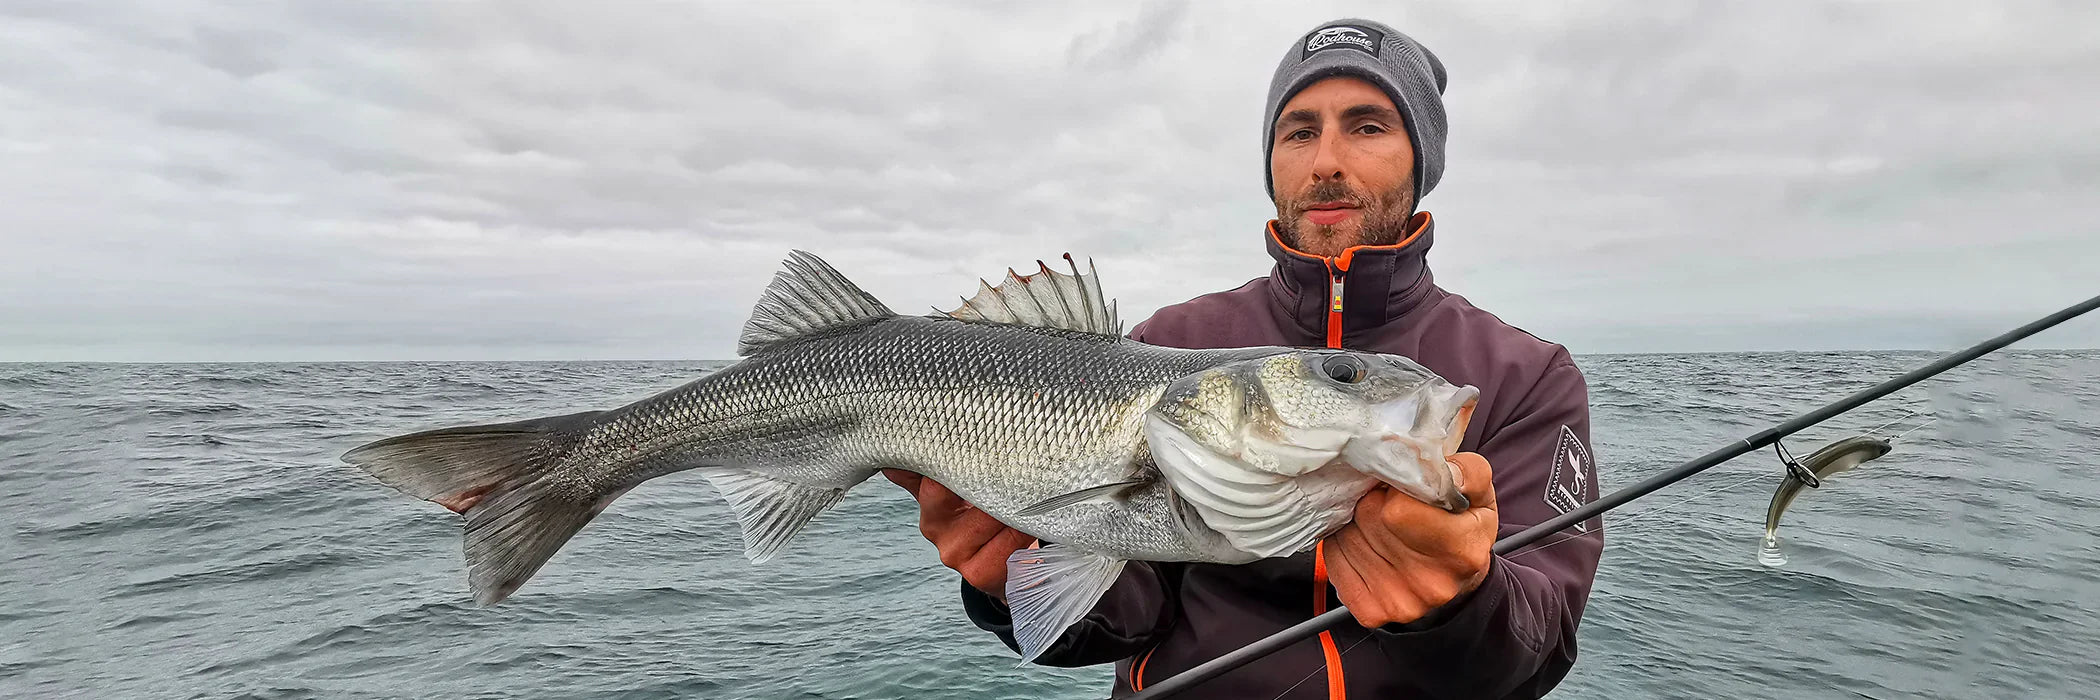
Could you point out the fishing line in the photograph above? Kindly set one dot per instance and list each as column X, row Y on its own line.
column 1904, row 417
column 1913, row 429
column 1316, row 671
column 1637, row 517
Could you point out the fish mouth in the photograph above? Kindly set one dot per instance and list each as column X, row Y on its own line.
column 1455, row 430
column 1452, row 496
column 1413, row 448
column 1455, row 433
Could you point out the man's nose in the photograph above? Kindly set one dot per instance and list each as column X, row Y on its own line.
column 1327, row 161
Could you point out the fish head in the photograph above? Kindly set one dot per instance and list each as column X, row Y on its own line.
column 1291, row 415
column 1403, row 420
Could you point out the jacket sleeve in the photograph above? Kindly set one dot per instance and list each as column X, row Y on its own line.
column 1514, row 635
column 1129, row 618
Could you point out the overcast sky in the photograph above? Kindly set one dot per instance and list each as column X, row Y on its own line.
column 398, row 180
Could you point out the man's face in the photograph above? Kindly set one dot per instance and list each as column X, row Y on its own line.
column 1343, row 168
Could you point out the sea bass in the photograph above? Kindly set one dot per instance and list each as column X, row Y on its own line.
column 1026, row 401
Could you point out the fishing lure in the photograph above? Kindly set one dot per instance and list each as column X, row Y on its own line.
column 1809, row 472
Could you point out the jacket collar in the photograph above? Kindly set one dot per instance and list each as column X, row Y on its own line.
column 1381, row 284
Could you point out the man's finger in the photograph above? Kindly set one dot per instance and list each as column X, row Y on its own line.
column 1373, row 501
column 1345, row 549
column 987, row 569
column 1383, row 513
column 963, row 538
column 937, row 499
column 910, row 481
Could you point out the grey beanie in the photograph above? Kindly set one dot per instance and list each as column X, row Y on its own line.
column 1404, row 69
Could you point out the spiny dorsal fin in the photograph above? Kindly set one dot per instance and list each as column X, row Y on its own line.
column 1047, row 298
column 806, row 296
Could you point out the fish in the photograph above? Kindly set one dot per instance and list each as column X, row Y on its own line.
column 1832, row 458
column 1026, row 400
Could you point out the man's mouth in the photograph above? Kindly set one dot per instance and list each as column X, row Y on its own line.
column 1329, row 213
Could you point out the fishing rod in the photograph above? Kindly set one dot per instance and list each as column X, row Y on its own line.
column 1505, row 545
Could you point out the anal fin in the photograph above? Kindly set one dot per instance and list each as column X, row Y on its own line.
column 1049, row 588
column 770, row 510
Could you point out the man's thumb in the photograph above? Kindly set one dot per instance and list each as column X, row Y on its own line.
column 1475, row 478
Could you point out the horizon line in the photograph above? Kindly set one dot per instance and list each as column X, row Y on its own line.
column 733, row 360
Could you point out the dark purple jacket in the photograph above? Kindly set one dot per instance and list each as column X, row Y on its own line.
column 1513, row 637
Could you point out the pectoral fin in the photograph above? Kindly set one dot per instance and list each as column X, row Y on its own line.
column 1049, row 588
column 1092, row 493
column 1259, row 512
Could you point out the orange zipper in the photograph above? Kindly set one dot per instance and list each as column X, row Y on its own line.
column 1337, row 689
column 1334, row 303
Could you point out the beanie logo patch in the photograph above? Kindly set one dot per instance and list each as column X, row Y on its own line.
column 1363, row 39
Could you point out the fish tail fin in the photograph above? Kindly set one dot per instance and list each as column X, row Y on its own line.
column 506, row 479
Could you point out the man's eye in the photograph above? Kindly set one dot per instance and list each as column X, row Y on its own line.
column 1299, row 135
column 1371, row 129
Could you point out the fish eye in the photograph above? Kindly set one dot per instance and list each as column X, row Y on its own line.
column 1344, row 369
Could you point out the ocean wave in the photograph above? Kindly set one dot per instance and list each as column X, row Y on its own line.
column 197, row 516
column 145, row 621
column 235, row 572
column 666, row 689
column 18, row 668
column 376, row 631
column 197, row 409
column 242, row 380
column 187, row 438
column 275, row 692
column 26, row 380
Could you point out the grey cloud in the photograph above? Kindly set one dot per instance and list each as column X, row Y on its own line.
column 371, row 181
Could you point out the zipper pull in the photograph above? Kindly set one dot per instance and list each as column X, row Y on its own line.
column 1334, row 307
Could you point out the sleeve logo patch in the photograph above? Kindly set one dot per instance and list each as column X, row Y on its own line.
column 1568, row 488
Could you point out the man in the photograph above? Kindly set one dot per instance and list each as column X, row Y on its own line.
column 1354, row 137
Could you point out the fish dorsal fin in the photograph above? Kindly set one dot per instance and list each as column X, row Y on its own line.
column 806, row 296
column 1046, row 299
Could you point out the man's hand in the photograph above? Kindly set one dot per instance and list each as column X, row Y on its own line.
column 1401, row 558
column 970, row 541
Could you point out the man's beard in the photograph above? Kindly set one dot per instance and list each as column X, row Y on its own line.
column 1383, row 219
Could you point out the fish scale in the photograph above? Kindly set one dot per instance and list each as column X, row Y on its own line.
column 1027, row 414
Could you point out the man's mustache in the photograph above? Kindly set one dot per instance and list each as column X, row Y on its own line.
column 1329, row 191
